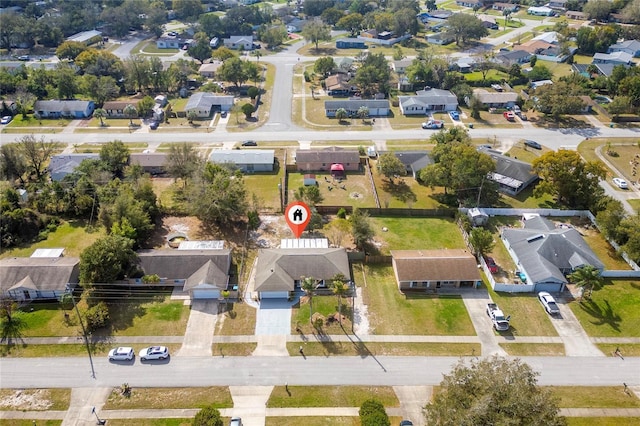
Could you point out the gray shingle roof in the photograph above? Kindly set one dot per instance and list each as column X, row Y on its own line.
column 510, row 167
column 356, row 103
column 240, row 156
column 155, row 159
column 277, row 269
column 546, row 252
column 182, row 264
column 204, row 101
column 60, row 106
column 329, row 155
column 38, row 273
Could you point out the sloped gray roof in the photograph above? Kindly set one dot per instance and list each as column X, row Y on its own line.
column 487, row 97
column 413, row 160
column 203, row 100
column 330, row 155
column 209, row 274
column 154, row 159
column 68, row 162
column 242, row 156
column 544, row 250
column 627, row 44
column 38, row 273
column 511, row 167
column 277, row 269
column 356, row 103
column 60, row 106
column 182, row 264
column 431, row 97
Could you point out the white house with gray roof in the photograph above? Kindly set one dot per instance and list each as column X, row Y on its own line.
column 238, row 42
column 377, row 107
column 494, row 99
column 62, row 165
column 428, row 100
column 204, row 103
column 632, row 47
column 247, row 160
column 546, row 253
column 63, row 108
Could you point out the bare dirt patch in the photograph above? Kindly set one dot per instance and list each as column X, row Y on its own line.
column 31, row 399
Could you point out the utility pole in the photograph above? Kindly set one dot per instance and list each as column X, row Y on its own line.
column 84, row 330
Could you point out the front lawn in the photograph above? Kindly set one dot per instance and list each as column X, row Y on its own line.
column 170, row 398
column 392, row 313
column 405, row 233
column 404, row 192
column 528, row 318
column 594, row 397
column 35, row 399
column 612, row 311
column 364, row 349
column 330, row 396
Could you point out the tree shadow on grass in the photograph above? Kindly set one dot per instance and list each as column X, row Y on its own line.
column 399, row 189
column 602, row 315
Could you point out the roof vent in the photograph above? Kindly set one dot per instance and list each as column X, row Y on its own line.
column 535, row 238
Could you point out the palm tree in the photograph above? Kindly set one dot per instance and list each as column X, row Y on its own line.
column 588, row 278
column 307, row 285
column 130, row 111
column 340, row 289
column 341, row 114
column 191, row 116
column 507, row 16
column 11, row 324
column 100, row 114
column 363, row 112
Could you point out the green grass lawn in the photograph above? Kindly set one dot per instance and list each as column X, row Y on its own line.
column 364, row 349
column 603, row 421
column 39, row 422
column 594, row 397
column 241, row 320
column 325, row 306
column 626, row 349
column 357, row 192
column 150, row 422
column 331, row 396
column 264, row 186
column 233, row 349
column 168, row 398
column 405, row 192
column 528, row 318
column 417, row 233
column 58, row 399
column 612, row 311
column 149, row 315
column 31, row 121
column 390, row 312
column 72, row 349
column 635, row 203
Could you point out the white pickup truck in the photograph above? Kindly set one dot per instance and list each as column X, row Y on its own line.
column 433, row 124
column 500, row 323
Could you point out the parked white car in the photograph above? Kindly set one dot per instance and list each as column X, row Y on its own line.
column 620, row 183
column 123, row 353
column 154, row 352
column 549, row 303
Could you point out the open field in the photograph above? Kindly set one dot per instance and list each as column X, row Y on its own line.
column 35, row 399
column 391, row 312
column 167, row 398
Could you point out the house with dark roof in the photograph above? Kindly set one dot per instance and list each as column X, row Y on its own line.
column 578, row 16
column 34, row 278
column 62, row 165
column 312, row 160
column 350, row 43
column 513, row 57
column 115, row 109
column 427, row 101
column 63, row 108
column 494, row 99
column 616, row 58
column 279, row 271
column 209, row 70
column 204, row 104
column 151, row 162
column 511, row 174
column 377, row 107
column 632, row 47
column 430, row 270
column 545, row 253
column 247, row 160
column 602, row 69
column 338, row 85
column 413, row 161
column 203, row 273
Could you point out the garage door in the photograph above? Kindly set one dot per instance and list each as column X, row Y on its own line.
column 205, row 294
column 274, row 295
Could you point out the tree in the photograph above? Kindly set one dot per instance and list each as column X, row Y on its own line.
column 201, row 50
column 619, row 105
column 588, row 278
column 235, row 70
column 308, row 286
column 572, row 181
column 361, row 229
column 100, row 89
column 332, row 15
column 11, row 322
column 316, row 31
column 492, row 391
column 610, row 217
column 558, row 99
column 107, row 260
column 482, row 241
column 13, row 164
column 507, row 16
column 340, row 289
column 597, row 9
column 247, row 110
column 100, row 114
column 341, row 114
column 309, row 194
column 337, row 231
column 274, row 36
column 374, row 75
column 145, row 106
column 466, row 27
column 324, row 65
column 631, row 12
column 191, row 116
column 363, row 112
column 352, row 22
column 430, row 5
column 130, row 112
column 189, row 10
column 390, row 166
column 372, row 413
column 182, row 161
column 115, row 156
column 70, row 50
column 222, row 53
column 66, row 82
column 208, row 416
column 37, row 153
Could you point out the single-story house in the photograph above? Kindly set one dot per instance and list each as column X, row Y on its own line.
column 308, row 160
column 512, row 7
column 617, row 58
column 545, row 254
column 433, row 269
column 547, row 37
column 247, row 160
column 632, row 47
column 296, row 25
column 511, row 174
column 540, row 11
column 172, row 43
column 557, row 4
column 495, row 99
column 239, row 42
column 151, row 162
column 338, row 85
column 489, row 21
column 470, row 3
column 205, row 103
column 86, row 37
column 350, row 43
column 62, row 165
column 602, row 69
column 442, row 38
column 535, row 84
column 377, row 107
column 343, row 64
column 279, row 271
column 203, row 273
column 115, row 109
column 441, row 14
column 513, row 57
column 33, row 278
column 59, row 108
column 579, row 16
column 534, row 46
column 401, row 66
column 209, row 70
column 428, row 100
column 465, row 65
column 413, row 161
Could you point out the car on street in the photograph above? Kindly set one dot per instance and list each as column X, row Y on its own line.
column 532, row 144
column 235, row 421
column 620, row 183
column 24, row 58
column 433, row 124
column 154, row 125
column 491, row 264
column 455, row 115
column 123, row 353
column 6, row 119
column 249, row 143
column 154, row 352
column 549, row 303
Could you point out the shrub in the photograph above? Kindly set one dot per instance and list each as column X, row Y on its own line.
column 342, row 213
column 372, row 413
column 208, row 416
column 97, row 316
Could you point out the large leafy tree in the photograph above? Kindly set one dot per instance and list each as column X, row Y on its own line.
column 572, row 181
column 182, row 161
column 390, row 166
column 352, row 22
column 11, row 322
column 107, row 260
column 588, row 278
column 37, row 153
column 372, row 413
column 70, row 49
column 316, row 31
column 208, row 416
column 493, row 391
column 201, row 50
column 115, row 156
column 466, row 27
column 597, row 9
column 13, row 164
column 219, row 195
column 361, row 228
column 559, row 99
column 99, row 89
column 482, row 240
column 324, row 65
column 237, row 71
column 374, row 75
column 189, row 10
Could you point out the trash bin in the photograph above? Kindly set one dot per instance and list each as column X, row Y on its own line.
column 611, row 125
column 471, row 125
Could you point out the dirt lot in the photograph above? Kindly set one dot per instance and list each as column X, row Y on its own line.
column 32, row 399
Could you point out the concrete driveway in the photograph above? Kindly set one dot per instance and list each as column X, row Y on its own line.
column 476, row 303
column 575, row 339
column 273, row 318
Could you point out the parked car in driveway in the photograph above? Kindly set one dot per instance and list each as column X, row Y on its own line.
column 532, row 144
column 154, row 125
column 621, row 183
column 123, row 353
column 455, row 115
column 549, row 303
column 154, row 352
column 6, row 119
column 509, row 115
column 235, row 421
column 491, row 264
